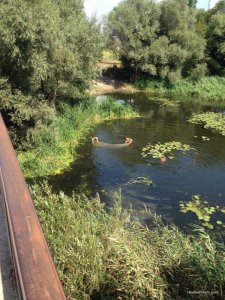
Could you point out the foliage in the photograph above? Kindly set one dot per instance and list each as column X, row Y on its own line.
column 107, row 256
column 216, row 43
column 157, row 40
column 134, row 24
column 48, row 47
column 52, row 147
column 159, row 150
column 109, row 56
column 211, row 88
column 201, row 22
column 203, row 210
column 186, row 48
column 212, row 120
column 166, row 102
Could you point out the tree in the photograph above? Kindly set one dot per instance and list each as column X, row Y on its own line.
column 48, row 47
column 192, row 3
column 186, row 47
column 158, row 40
column 135, row 25
column 216, row 44
column 201, row 22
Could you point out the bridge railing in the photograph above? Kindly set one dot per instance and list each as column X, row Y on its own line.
column 36, row 276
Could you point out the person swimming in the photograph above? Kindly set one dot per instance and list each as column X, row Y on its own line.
column 97, row 143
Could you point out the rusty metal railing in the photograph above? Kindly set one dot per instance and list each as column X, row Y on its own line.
column 35, row 272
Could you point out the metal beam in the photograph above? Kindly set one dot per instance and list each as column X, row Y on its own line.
column 36, row 275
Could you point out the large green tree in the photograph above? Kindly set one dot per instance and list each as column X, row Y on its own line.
column 135, row 25
column 185, row 47
column 216, row 44
column 48, row 46
column 158, row 40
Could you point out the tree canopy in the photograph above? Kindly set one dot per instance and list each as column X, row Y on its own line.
column 159, row 40
column 48, row 47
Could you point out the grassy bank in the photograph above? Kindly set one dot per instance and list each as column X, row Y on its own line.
column 53, row 146
column 211, row 88
column 103, row 255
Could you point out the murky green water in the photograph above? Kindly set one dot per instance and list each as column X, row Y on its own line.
column 199, row 171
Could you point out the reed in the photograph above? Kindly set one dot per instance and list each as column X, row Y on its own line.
column 109, row 255
column 53, row 147
column 211, row 88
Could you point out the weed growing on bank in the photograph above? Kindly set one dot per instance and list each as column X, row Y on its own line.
column 53, row 147
column 211, row 88
column 101, row 255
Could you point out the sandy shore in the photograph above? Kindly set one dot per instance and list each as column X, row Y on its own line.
column 104, row 85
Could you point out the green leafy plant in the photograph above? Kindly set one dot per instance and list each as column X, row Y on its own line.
column 166, row 102
column 159, row 150
column 203, row 211
column 211, row 120
column 102, row 255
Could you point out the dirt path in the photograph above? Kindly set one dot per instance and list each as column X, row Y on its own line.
column 105, row 85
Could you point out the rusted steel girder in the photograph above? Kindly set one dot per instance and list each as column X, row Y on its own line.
column 36, row 275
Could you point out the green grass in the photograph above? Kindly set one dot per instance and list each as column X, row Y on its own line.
column 102, row 255
column 211, row 88
column 53, row 146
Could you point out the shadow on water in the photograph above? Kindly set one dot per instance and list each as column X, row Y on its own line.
column 199, row 171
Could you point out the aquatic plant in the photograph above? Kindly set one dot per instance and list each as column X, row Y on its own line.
column 203, row 211
column 166, row 102
column 102, row 255
column 140, row 180
column 212, row 120
column 159, row 150
column 52, row 147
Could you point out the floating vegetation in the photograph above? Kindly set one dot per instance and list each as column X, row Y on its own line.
column 203, row 211
column 166, row 102
column 141, row 180
column 212, row 120
column 159, row 150
column 205, row 138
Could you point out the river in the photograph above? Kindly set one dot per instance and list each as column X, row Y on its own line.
column 199, row 171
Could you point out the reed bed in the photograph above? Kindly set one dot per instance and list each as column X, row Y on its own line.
column 53, row 146
column 109, row 255
column 211, row 88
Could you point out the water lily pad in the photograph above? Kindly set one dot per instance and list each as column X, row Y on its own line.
column 159, row 150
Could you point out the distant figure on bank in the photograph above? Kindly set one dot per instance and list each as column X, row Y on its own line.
column 97, row 143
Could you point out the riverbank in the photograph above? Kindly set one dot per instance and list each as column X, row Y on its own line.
column 106, row 255
column 207, row 88
column 105, row 85
column 54, row 146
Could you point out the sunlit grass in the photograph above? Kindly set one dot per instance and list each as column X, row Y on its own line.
column 102, row 255
column 211, row 88
column 53, row 147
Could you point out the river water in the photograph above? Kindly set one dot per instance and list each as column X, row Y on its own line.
column 199, row 171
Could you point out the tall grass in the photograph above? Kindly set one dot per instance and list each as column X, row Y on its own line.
column 103, row 255
column 53, row 147
column 212, row 88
